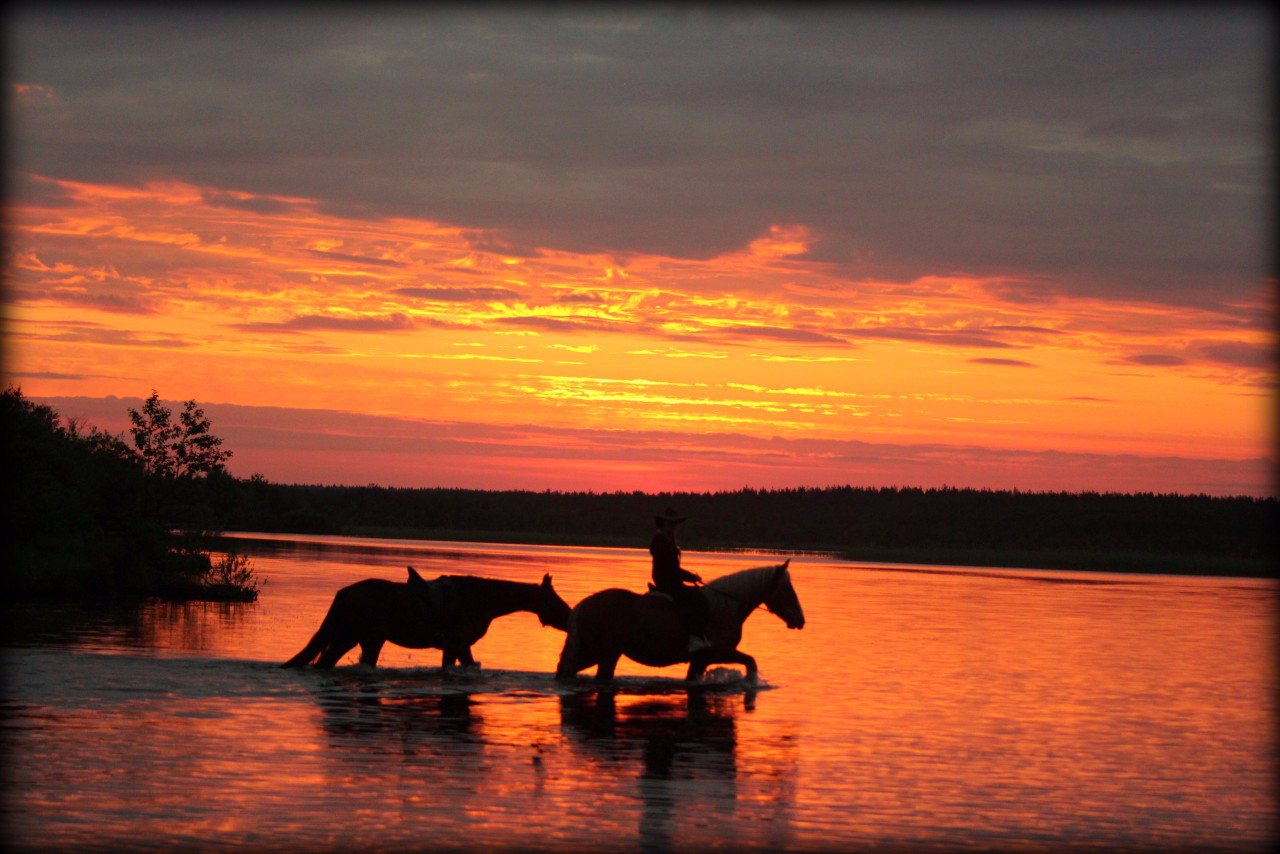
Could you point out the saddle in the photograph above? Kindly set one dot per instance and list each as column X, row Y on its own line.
column 653, row 591
column 437, row 602
column 688, row 612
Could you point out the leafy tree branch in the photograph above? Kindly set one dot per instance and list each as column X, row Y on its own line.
column 181, row 449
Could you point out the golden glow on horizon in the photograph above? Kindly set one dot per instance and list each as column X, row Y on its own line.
column 226, row 297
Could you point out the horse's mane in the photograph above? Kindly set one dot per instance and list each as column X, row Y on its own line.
column 480, row 585
column 480, row 581
column 743, row 582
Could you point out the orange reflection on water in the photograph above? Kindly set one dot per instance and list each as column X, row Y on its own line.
column 942, row 707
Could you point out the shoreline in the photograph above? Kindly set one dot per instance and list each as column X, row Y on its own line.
column 1121, row 561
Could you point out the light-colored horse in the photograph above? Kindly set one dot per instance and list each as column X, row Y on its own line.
column 612, row 623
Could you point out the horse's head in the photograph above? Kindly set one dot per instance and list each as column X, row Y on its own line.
column 551, row 609
column 782, row 599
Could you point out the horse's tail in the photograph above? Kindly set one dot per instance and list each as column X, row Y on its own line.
column 316, row 645
column 309, row 652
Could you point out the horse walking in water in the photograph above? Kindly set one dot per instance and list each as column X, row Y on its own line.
column 450, row 614
column 612, row 623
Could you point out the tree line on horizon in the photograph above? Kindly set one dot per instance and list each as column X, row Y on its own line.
column 843, row 519
column 90, row 512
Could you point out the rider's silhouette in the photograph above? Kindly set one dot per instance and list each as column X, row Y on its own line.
column 669, row 577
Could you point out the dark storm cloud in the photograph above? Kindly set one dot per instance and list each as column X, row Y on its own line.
column 1006, row 363
column 1155, row 360
column 50, row 375
column 253, row 204
column 457, row 294
column 37, row 191
column 780, row 333
column 589, row 298
column 118, row 303
column 396, row 322
column 76, row 332
column 1240, row 354
column 555, row 324
column 1113, row 152
column 948, row 337
column 1039, row 330
column 356, row 259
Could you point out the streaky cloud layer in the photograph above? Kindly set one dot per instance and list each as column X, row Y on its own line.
column 280, row 307
column 331, row 446
column 1098, row 152
column 777, row 246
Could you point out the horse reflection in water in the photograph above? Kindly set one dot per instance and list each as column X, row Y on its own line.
column 373, row 712
column 687, row 749
column 450, row 613
column 646, row 628
column 431, row 751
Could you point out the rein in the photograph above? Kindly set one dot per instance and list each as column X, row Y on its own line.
column 763, row 603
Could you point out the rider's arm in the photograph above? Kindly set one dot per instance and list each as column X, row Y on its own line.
column 666, row 563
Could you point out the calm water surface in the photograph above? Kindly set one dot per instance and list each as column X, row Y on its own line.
column 921, row 708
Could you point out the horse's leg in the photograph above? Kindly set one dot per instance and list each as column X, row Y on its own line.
column 460, row 653
column 699, row 660
column 370, row 650
column 334, row 651
column 570, row 664
column 697, row 666
column 608, row 663
column 571, row 658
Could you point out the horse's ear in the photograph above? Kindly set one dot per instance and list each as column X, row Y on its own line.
column 546, row 579
column 414, row 577
column 781, row 572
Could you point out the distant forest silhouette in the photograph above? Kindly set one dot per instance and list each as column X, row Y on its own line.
column 87, row 512
column 1172, row 533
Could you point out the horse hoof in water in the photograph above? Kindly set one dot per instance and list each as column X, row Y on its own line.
column 725, row 676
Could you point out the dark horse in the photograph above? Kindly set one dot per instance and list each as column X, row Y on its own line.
column 449, row 614
column 645, row 628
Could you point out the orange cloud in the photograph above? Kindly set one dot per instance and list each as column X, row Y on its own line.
column 266, row 300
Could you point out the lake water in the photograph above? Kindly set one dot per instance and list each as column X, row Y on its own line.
column 921, row 708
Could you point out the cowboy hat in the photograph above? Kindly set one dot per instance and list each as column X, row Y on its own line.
column 670, row 515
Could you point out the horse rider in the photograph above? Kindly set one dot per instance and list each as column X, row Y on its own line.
column 669, row 578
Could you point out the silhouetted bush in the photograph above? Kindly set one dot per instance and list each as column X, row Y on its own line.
column 82, row 514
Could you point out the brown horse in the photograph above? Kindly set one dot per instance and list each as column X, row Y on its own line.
column 645, row 628
column 449, row 614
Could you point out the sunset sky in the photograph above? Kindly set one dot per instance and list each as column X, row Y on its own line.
column 599, row 248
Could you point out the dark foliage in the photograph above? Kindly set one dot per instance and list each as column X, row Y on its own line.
column 85, row 512
column 859, row 522
column 83, row 515
column 178, row 450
